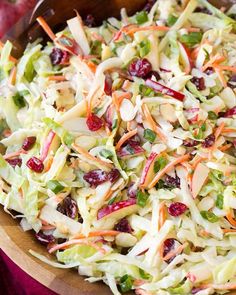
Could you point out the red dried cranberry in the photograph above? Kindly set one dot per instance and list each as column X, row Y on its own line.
column 149, row 5
column 169, row 245
column 15, row 162
column 28, row 143
column 172, row 181
column 95, row 177
column 153, row 73
column 229, row 113
column 90, row 21
column 44, row 239
column 35, row 165
column 209, row 141
column 59, row 56
column 199, row 83
column 232, row 82
column 209, row 71
column 140, row 68
column 132, row 191
column 177, row 208
column 68, row 207
column 108, row 85
column 94, row 123
column 113, row 175
column 190, row 142
column 130, row 149
column 123, row 226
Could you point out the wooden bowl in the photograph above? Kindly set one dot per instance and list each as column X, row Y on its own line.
column 13, row 241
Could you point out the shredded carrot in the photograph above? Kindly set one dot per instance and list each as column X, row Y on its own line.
column 12, row 77
column 57, row 78
column 48, row 165
column 228, row 130
column 213, row 61
column 46, row 27
column 225, row 147
column 167, row 168
column 91, row 65
column 221, row 76
column 227, row 68
column 219, row 130
column 196, row 161
column 98, row 233
column 175, row 251
column 90, row 157
column 125, row 137
column 76, row 242
column 108, row 195
column 162, row 215
column 118, row 98
column 228, row 230
column 231, row 218
column 14, row 154
column 154, row 126
column 11, row 58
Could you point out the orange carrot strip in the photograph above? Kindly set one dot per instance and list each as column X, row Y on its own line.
column 91, row 65
column 228, row 130
column 162, row 215
column 14, row 154
column 125, row 137
column 76, row 242
column 230, row 218
column 122, row 96
column 108, row 194
column 11, row 58
column 219, row 130
column 12, row 77
column 56, row 78
column 168, row 168
column 46, row 27
column 155, row 128
column 214, row 60
column 98, row 233
column 228, row 230
column 89, row 156
column 175, row 251
column 220, row 76
column 225, row 147
column 227, row 68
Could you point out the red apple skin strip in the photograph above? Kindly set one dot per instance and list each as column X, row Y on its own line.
column 168, row 168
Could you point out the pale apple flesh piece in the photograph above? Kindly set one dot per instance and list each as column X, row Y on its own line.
column 148, row 171
column 200, row 176
column 168, row 112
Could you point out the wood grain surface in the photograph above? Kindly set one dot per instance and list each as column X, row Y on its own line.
column 13, row 241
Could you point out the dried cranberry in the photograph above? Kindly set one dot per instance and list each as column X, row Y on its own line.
column 202, row 10
column 190, row 142
column 90, row 21
column 153, row 73
column 95, row 177
column 68, row 207
column 172, row 181
column 232, row 81
column 35, row 164
column 113, row 175
column 123, row 226
column 177, row 208
column 209, row 71
column 140, row 68
column 28, row 143
column 169, row 245
column 44, row 239
column 229, row 113
column 149, row 5
column 209, row 141
column 108, row 85
column 199, row 83
column 130, row 149
column 59, row 56
column 94, row 123
column 15, row 162
column 132, row 191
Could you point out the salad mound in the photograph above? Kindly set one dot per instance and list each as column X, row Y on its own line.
column 118, row 147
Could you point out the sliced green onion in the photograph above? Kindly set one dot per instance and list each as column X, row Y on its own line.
column 160, row 164
column 106, row 153
column 212, row 115
column 144, row 48
column 126, row 283
column 191, row 39
column 220, row 201
column 171, row 20
column 143, row 274
column 141, row 17
column 149, row 135
column 19, row 100
column 55, row 186
column 142, row 198
column 96, row 47
column 210, row 216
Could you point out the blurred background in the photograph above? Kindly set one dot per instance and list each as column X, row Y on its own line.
column 11, row 11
